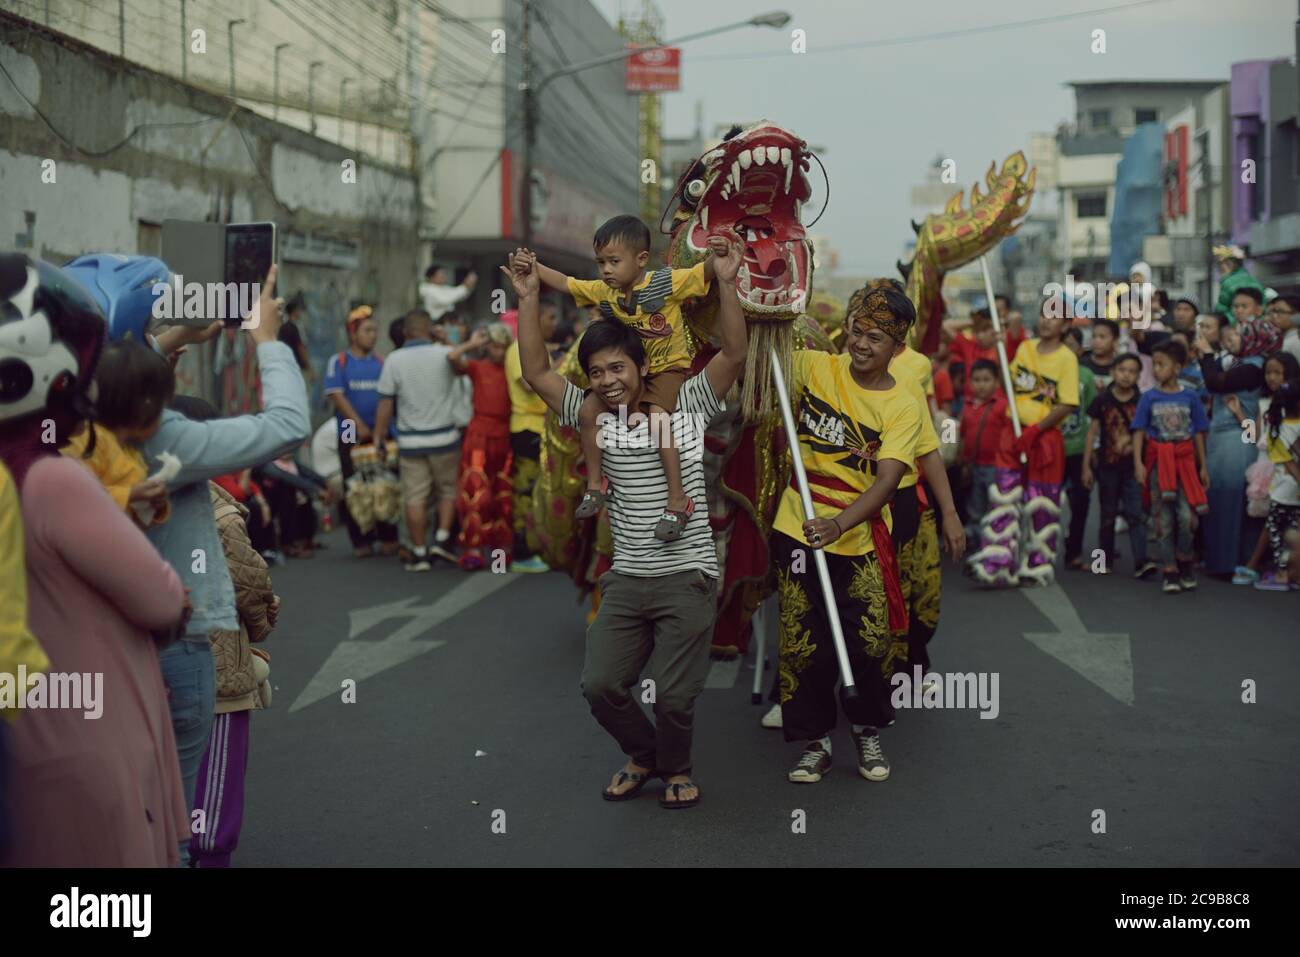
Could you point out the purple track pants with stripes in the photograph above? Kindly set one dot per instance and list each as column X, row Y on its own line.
column 220, row 791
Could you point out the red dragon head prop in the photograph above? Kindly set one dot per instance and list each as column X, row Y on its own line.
column 752, row 185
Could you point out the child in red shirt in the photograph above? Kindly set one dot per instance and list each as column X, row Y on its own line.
column 982, row 345
column 484, row 502
column 983, row 417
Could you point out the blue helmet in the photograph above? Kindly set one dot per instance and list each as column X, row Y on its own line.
column 123, row 287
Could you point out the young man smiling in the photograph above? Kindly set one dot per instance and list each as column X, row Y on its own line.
column 658, row 602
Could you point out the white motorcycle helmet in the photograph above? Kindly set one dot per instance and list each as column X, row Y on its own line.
column 51, row 336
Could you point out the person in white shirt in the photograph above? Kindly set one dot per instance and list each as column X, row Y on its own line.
column 437, row 297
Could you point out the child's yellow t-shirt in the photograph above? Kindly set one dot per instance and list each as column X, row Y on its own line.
column 1043, row 382
column 655, row 311
column 118, row 467
column 913, row 370
column 844, row 430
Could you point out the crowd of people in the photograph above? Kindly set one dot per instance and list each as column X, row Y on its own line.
column 1186, row 424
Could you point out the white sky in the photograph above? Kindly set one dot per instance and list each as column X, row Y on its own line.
column 884, row 113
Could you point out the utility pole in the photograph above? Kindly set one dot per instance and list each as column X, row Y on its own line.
column 276, row 81
column 530, row 130
column 230, row 39
column 343, row 92
column 644, row 32
column 311, row 92
column 185, row 44
column 121, row 28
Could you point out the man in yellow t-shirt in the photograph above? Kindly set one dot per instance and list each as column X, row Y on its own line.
column 1045, row 381
column 651, row 303
column 858, row 429
column 527, row 425
column 18, row 646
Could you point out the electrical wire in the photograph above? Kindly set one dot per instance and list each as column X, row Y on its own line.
column 940, row 35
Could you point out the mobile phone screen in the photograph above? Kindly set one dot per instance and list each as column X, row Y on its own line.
column 250, row 250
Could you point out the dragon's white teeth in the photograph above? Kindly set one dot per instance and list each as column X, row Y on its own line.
column 789, row 172
column 785, row 155
column 745, row 159
column 760, row 155
column 735, row 174
column 751, row 235
column 773, row 154
column 704, row 217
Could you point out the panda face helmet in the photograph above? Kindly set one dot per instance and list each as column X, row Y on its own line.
column 51, row 335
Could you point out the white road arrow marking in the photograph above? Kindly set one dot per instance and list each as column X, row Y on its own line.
column 1104, row 658
column 361, row 659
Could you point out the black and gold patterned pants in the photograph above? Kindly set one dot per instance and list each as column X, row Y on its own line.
column 526, row 449
column 809, row 669
column 920, row 574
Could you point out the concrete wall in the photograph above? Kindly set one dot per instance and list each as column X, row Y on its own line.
column 218, row 167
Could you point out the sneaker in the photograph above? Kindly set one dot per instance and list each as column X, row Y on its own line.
column 872, row 764
column 814, row 762
column 419, row 561
column 1242, row 575
column 1171, row 585
column 531, row 565
column 773, row 717
column 1269, row 582
column 1187, row 576
column 1146, row 569
column 440, row 551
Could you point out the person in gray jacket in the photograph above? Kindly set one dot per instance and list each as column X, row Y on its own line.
column 189, row 541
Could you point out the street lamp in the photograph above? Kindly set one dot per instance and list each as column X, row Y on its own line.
column 230, row 35
column 311, row 92
column 775, row 19
column 276, row 81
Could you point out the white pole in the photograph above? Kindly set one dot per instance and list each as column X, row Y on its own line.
column 1002, row 354
column 819, row 557
column 758, row 627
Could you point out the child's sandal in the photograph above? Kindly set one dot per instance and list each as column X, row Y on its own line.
column 593, row 500
column 672, row 524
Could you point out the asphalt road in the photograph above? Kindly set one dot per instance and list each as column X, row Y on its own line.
column 1121, row 700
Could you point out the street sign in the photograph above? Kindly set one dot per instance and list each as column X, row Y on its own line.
column 654, row 71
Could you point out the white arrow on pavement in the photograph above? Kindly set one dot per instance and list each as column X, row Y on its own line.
column 1104, row 658
column 361, row 659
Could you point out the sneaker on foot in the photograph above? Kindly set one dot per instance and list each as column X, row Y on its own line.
column 531, row 565
column 1269, row 582
column 441, row 551
column 1146, row 568
column 1187, row 576
column 773, row 717
column 1171, row 585
column 872, row 763
column 419, row 561
column 814, row 762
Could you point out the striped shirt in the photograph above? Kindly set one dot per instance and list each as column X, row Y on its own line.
column 423, row 382
column 639, row 490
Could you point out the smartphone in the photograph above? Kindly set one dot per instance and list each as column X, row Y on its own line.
column 250, row 251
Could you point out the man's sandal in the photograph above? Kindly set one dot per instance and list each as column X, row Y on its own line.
column 639, row 778
column 593, row 500
column 672, row 523
column 676, row 788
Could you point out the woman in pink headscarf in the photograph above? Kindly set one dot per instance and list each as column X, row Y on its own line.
column 95, row 784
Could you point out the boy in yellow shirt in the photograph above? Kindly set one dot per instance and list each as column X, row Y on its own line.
column 1045, row 380
column 651, row 303
column 858, row 429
